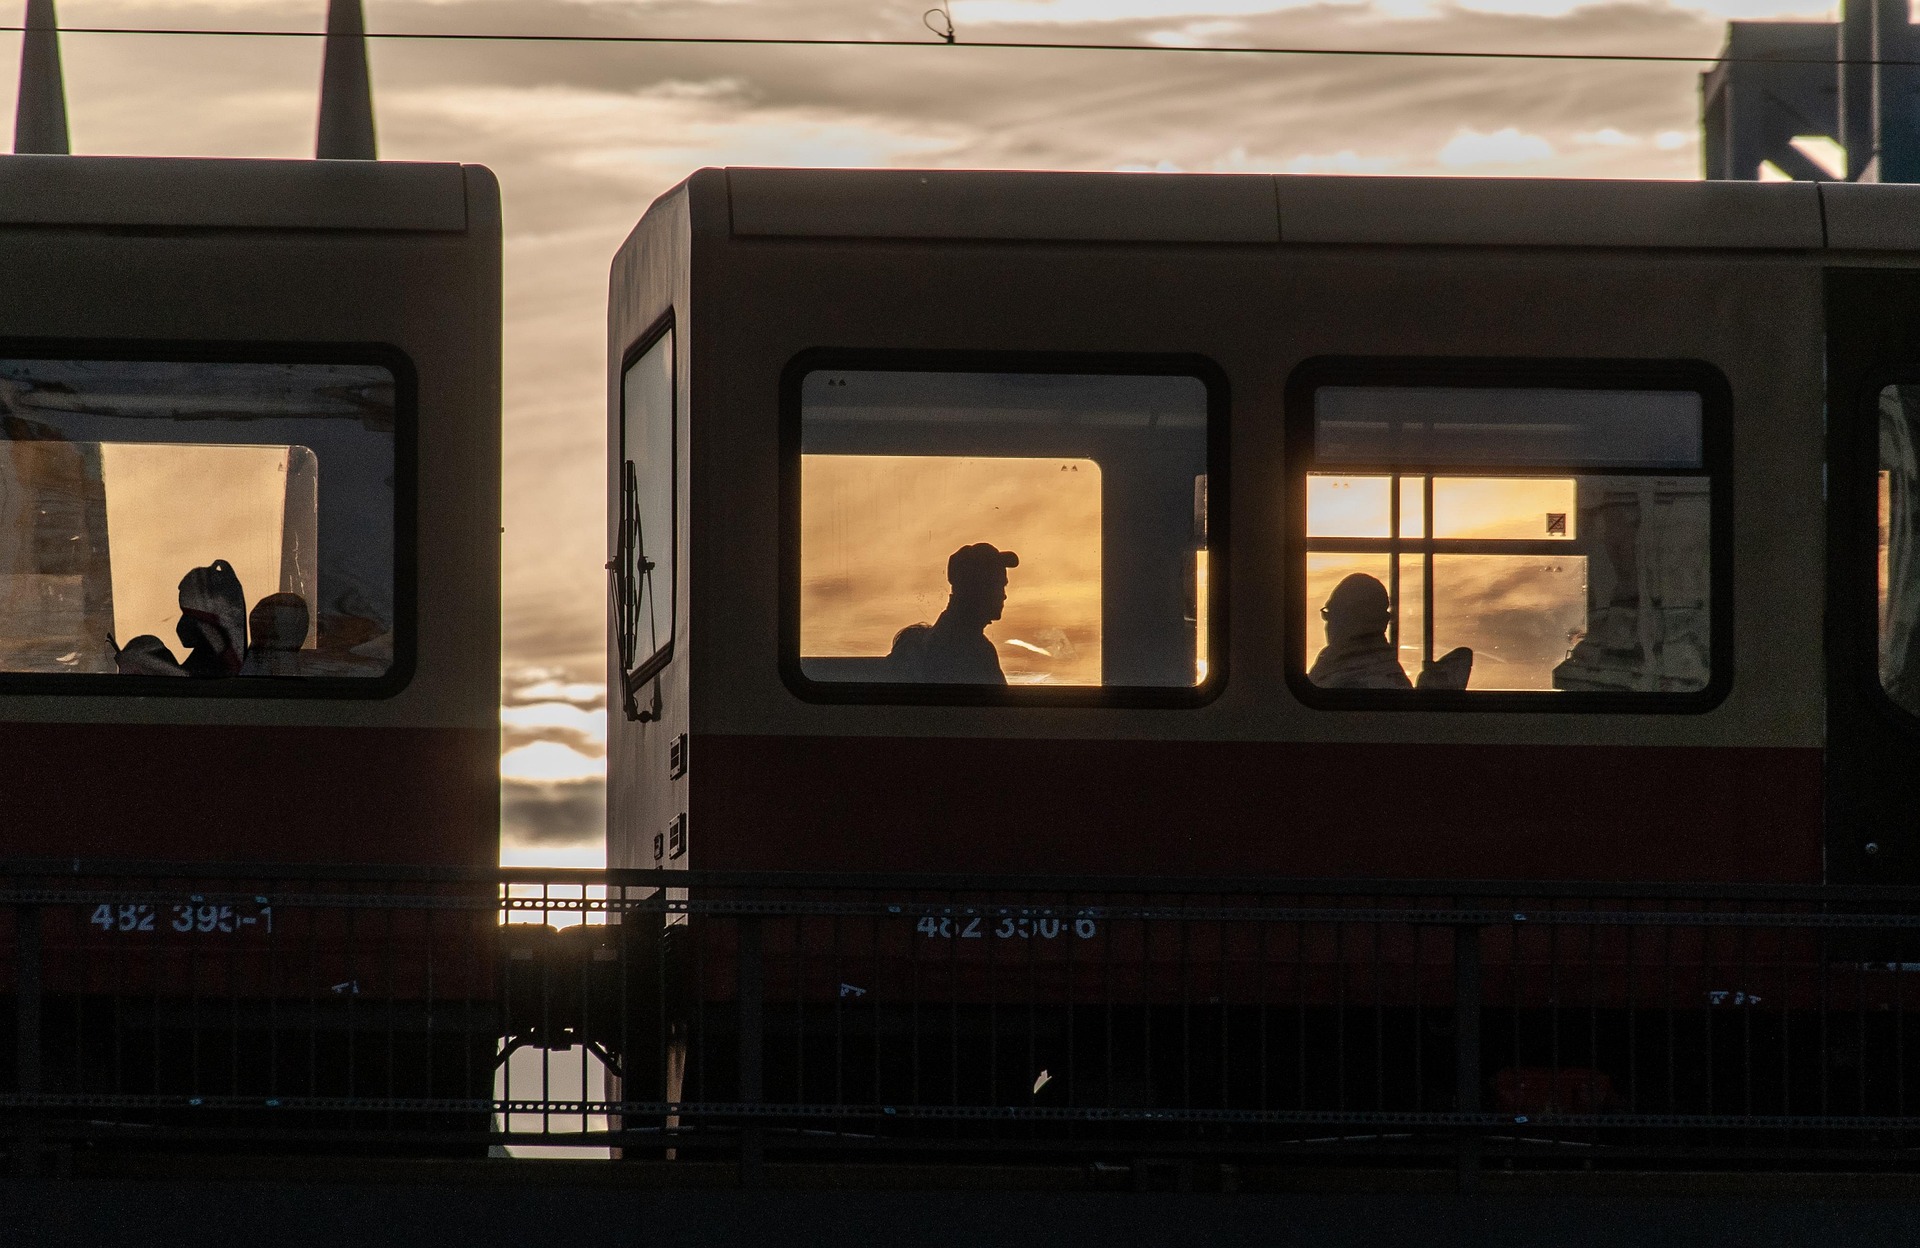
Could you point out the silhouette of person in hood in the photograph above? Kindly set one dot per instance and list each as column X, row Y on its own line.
column 213, row 621
column 1358, row 654
column 212, row 626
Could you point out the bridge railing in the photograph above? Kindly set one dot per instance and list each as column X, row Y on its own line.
column 681, row 1015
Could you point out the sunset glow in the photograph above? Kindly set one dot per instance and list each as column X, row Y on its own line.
column 876, row 531
column 1520, row 614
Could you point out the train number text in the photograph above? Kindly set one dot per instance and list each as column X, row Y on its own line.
column 185, row 918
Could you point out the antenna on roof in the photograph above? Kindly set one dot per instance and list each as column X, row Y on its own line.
column 40, row 115
column 346, row 96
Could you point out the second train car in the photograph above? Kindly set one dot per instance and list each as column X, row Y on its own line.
column 1267, row 526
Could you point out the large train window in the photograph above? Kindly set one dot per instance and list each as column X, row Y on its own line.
column 644, row 563
column 996, row 531
column 198, row 525
column 1467, row 538
column 1899, row 561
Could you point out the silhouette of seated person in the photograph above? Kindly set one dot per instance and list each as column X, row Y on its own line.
column 146, row 655
column 1358, row 654
column 212, row 626
column 277, row 628
column 954, row 649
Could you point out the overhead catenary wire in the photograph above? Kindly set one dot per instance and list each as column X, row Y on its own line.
column 1009, row 45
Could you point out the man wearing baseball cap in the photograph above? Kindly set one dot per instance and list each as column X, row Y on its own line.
column 957, row 649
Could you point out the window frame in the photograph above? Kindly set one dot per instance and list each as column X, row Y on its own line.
column 406, row 422
column 1481, row 372
column 1118, row 364
column 641, row 672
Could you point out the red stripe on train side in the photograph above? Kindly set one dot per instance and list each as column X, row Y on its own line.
column 223, row 793
column 1623, row 813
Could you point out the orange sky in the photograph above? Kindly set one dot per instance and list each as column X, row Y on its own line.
column 876, row 531
column 1520, row 614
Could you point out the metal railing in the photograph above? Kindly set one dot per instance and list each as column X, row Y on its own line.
column 685, row 1015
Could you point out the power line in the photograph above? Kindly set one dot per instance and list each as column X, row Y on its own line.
column 1015, row 45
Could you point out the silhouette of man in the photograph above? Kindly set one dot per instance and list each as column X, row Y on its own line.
column 1358, row 654
column 956, row 650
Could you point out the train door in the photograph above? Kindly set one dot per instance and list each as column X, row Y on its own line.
column 1873, row 576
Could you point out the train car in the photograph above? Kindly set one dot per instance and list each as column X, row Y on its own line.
column 1000, row 538
column 249, row 629
column 249, row 511
column 1270, row 527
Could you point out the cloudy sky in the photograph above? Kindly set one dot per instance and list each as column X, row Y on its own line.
column 584, row 137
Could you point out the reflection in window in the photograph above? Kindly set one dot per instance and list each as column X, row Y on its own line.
column 988, row 529
column 1899, row 553
column 644, row 594
column 196, row 519
column 1593, row 579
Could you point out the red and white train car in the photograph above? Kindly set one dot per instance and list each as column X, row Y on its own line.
column 249, row 511
column 1389, row 528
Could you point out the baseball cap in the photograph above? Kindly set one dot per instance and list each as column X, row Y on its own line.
column 978, row 560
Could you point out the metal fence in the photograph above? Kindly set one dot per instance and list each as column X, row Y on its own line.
column 697, row 1015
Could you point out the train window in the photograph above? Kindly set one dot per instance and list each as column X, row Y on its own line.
column 1899, row 554
column 992, row 534
column 212, row 519
column 1471, row 540
column 644, row 593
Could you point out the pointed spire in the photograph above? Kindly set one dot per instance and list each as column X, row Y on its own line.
column 40, row 117
column 346, row 96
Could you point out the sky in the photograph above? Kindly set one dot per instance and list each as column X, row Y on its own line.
column 583, row 138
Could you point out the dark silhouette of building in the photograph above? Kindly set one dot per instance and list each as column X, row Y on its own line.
column 1845, row 81
column 346, row 94
column 40, row 113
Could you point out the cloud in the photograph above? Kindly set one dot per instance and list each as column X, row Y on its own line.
column 554, row 688
column 1607, row 136
column 550, row 762
column 544, row 719
column 1344, row 161
column 553, row 815
column 1508, row 146
column 971, row 13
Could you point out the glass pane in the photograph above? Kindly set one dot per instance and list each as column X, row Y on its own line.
column 1349, row 624
column 990, row 528
column 276, row 560
column 1349, row 506
column 1649, row 593
column 1413, row 506
column 1202, row 593
column 646, row 434
column 1525, row 508
column 1425, row 427
column 878, row 533
column 1900, row 545
column 1519, row 614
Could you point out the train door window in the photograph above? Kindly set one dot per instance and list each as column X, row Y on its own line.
column 987, row 535
column 229, row 520
column 644, row 590
column 1899, row 554
column 1466, row 541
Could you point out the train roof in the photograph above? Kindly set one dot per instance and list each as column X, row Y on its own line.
column 974, row 205
column 184, row 193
